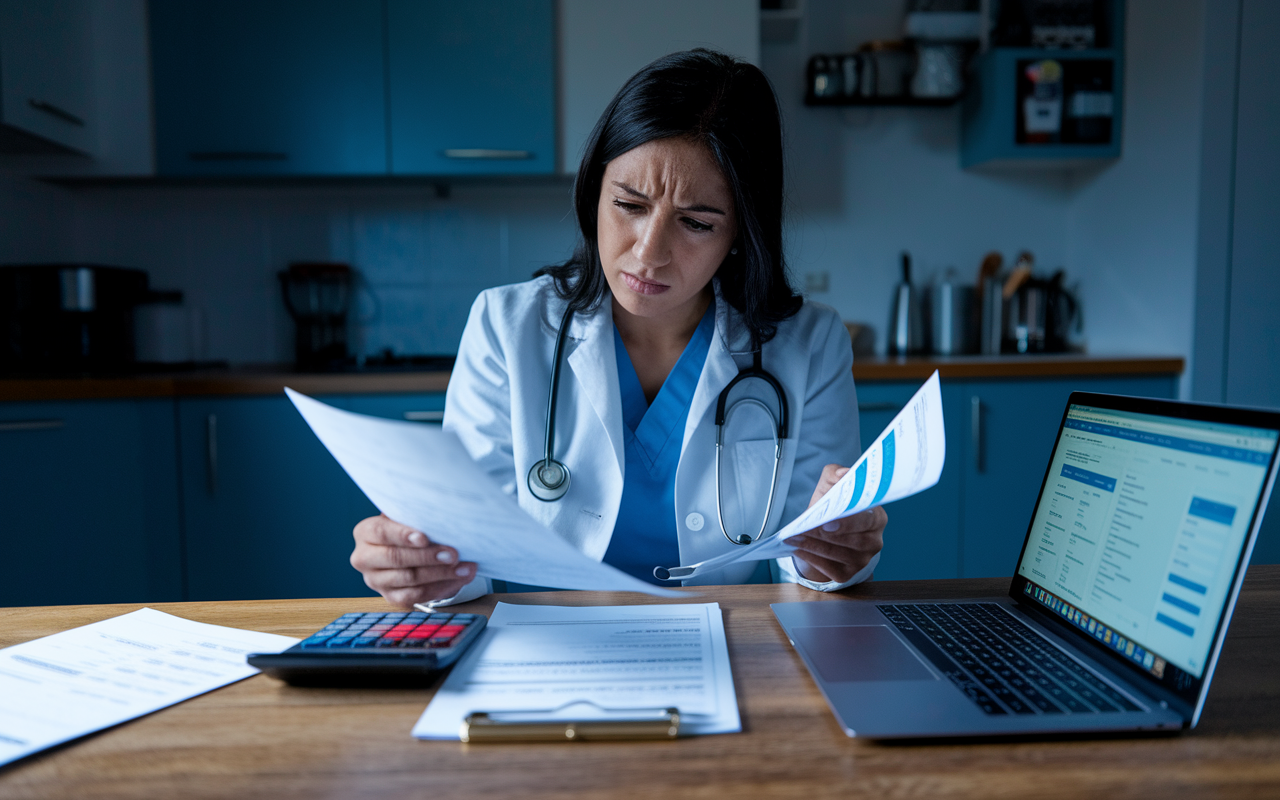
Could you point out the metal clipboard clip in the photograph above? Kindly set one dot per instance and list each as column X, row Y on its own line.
column 562, row 725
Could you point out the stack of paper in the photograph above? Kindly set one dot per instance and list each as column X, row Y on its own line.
column 593, row 663
column 79, row 681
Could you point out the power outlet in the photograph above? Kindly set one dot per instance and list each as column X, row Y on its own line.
column 817, row 282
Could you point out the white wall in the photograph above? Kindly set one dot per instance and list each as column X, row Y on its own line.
column 867, row 183
column 36, row 221
column 1132, row 227
column 422, row 259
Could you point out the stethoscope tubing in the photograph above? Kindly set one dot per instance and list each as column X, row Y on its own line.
column 549, row 479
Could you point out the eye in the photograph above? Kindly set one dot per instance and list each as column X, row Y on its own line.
column 698, row 226
column 630, row 208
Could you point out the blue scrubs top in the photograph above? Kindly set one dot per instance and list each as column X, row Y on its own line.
column 645, row 534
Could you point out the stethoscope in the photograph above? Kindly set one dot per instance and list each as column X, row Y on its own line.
column 549, row 479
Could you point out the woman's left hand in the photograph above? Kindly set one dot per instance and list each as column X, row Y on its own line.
column 839, row 549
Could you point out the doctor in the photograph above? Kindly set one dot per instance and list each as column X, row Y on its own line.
column 677, row 286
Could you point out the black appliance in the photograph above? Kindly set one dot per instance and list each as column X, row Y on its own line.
column 317, row 295
column 68, row 318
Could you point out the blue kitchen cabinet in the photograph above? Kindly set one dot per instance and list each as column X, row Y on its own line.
column 426, row 407
column 268, row 512
column 46, row 94
column 922, row 539
column 999, row 436
column 1010, row 430
column 89, row 493
column 471, row 87
column 285, row 87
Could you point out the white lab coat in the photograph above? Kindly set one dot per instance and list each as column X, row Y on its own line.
column 497, row 405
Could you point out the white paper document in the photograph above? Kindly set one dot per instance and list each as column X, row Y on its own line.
column 604, row 662
column 423, row 477
column 73, row 683
column 906, row 458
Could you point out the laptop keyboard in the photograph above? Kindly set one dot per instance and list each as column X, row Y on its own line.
column 1000, row 663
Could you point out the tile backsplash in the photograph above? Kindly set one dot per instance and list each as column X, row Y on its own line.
column 420, row 259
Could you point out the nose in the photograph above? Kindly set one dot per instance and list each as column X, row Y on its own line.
column 653, row 241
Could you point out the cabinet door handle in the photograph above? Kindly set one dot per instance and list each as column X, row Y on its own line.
column 865, row 407
column 31, row 425
column 54, row 111
column 424, row 416
column 492, row 155
column 975, row 429
column 211, row 453
column 237, row 155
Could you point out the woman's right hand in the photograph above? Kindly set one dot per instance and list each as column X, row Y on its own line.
column 401, row 564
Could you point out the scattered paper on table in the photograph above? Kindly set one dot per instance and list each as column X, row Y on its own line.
column 556, row 662
column 906, row 458
column 61, row 687
column 423, row 477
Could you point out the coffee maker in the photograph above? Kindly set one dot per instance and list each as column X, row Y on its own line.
column 318, row 295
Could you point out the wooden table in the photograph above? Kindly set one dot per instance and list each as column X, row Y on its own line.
column 260, row 738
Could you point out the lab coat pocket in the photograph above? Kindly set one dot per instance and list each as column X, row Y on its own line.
column 752, row 482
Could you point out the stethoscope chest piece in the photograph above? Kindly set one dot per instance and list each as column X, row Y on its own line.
column 548, row 480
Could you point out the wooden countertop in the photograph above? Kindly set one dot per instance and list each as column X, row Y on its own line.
column 267, row 380
column 260, row 738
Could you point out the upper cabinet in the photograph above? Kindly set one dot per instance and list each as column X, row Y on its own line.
column 353, row 87
column 45, row 59
column 269, row 87
column 471, row 87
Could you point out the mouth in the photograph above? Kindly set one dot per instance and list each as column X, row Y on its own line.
column 641, row 286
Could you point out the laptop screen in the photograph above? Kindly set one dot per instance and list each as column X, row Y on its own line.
column 1140, row 527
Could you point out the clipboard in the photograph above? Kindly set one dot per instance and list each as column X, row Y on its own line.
column 526, row 726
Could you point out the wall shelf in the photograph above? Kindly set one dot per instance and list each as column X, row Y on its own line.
column 994, row 119
column 905, row 101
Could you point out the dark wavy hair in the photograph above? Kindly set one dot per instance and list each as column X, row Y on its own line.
column 729, row 107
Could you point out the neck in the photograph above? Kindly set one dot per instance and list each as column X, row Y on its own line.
column 673, row 330
column 655, row 343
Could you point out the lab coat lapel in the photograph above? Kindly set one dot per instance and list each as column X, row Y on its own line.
column 731, row 338
column 595, row 368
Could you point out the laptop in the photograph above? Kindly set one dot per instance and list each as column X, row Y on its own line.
column 1120, row 600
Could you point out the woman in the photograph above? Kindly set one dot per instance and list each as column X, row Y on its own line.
column 677, row 283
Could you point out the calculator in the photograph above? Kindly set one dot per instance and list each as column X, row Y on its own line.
column 399, row 648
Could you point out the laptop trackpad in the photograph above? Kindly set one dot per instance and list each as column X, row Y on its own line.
column 860, row 653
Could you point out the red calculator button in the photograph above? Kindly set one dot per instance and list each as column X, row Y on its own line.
column 449, row 631
column 418, row 634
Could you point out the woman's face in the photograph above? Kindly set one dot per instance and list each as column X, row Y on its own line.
column 665, row 224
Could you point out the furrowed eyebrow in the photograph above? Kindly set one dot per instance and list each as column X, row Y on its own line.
column 703, row 209
column 631, row 190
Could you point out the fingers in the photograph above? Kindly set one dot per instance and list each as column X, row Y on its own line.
column 382, row 543
column 831, row 474
column 386, row 531
column 404, row 566
column 840, row 549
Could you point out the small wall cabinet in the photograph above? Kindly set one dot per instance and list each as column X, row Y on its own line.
column 46, row 99
column 1040, row 106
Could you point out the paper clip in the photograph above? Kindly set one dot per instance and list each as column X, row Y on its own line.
column 524, row 726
